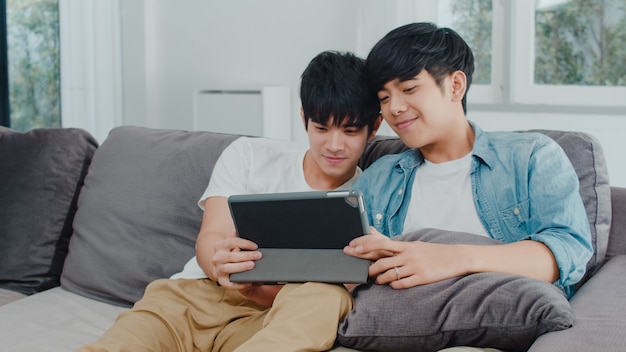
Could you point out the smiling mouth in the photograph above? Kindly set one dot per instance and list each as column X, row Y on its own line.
column 334, row 160
column 405, row 123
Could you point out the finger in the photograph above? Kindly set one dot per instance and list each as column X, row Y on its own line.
column 225, row 282
column 238, row 243
column 374, row 247
column 388, row 276
column 385, row 264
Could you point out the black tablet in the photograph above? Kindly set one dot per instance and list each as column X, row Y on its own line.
column 302, row 235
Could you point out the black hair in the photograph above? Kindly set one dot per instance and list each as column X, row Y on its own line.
column 407, row 50
column 333, row 87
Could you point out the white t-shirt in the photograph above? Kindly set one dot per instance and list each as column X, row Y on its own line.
column 442, row 198
column 256, row 165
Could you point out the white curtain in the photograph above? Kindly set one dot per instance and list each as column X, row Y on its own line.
column 377, row 18
column 91, row 65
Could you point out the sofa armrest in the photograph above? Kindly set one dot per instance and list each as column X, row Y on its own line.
column 599, row 314
column 617, row 237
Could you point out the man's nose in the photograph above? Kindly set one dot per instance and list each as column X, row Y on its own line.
column 397, row 105
column 336, row 140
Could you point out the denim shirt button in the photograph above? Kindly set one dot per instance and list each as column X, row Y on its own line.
column 379, row 216
column 400, row 191
column 516, row 211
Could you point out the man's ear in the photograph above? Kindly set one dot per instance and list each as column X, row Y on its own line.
column 458, row 84
column 375, row 127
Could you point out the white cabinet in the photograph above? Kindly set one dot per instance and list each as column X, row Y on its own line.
column 262, row 112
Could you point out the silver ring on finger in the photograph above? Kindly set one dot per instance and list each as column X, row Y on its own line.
column 397, row 272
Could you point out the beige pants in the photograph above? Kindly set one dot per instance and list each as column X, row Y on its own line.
column 199, row 315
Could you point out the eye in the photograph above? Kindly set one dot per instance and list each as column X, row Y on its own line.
column 383, row 98
column 410, row 89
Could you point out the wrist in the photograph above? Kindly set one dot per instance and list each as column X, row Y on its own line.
column 471, row 260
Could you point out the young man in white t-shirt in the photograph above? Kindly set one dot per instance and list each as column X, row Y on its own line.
column 200, row 309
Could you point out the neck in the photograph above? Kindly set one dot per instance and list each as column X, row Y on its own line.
column 317, row 179
column 454, row 145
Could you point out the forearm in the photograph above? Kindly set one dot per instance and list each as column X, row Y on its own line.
column 205, row 250
column 527, row 258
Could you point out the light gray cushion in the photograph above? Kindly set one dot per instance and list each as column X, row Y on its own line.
column 8, row 296
column 482, row 310
column 599, row 314
column 40, row 178
column 55, row 320
column 137, row 217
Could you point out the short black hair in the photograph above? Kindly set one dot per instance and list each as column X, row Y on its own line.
column 333, row 86
column 407, row 50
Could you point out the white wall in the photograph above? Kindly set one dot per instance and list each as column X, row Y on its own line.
column 195, row 44
column 171, row 48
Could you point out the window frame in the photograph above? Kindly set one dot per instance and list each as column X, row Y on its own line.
column 525, row 91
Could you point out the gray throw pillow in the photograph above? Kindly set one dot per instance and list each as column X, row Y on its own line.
column 494, row 310
column 41, row 174
column 138, row 217
column 380, row 146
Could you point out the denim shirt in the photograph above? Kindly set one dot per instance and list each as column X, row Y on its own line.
column 524, row 188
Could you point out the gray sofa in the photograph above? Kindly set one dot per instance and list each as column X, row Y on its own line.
column 84, row 228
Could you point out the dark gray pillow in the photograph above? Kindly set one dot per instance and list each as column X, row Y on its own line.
column 494, row 310
column 138, row 217
column 379, row 146
column 41, row 175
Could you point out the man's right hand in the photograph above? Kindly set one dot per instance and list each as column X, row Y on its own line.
column 233, row 255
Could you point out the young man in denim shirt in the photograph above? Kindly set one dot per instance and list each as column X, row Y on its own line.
column 518, row 188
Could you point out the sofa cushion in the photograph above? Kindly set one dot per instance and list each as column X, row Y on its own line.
column 137, row 217
column 617, row 237
column 493, row 310
column 599, row 314
column 54, row 321
column 42, row 173
column 379, row 146
column 8, row 296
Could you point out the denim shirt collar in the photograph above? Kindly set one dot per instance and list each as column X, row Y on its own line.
column 481, row 149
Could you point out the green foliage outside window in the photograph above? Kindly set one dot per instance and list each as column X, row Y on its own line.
column 577, row 42
column 581, row 42
column 472, row 19
column 34, row 63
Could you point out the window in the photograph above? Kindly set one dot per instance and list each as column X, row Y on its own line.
column 477, row 22
column 574, row 55
column 33, row 51
column 565, row 53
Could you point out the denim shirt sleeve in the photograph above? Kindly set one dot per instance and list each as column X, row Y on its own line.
column 529, row 190
column 558, row 217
